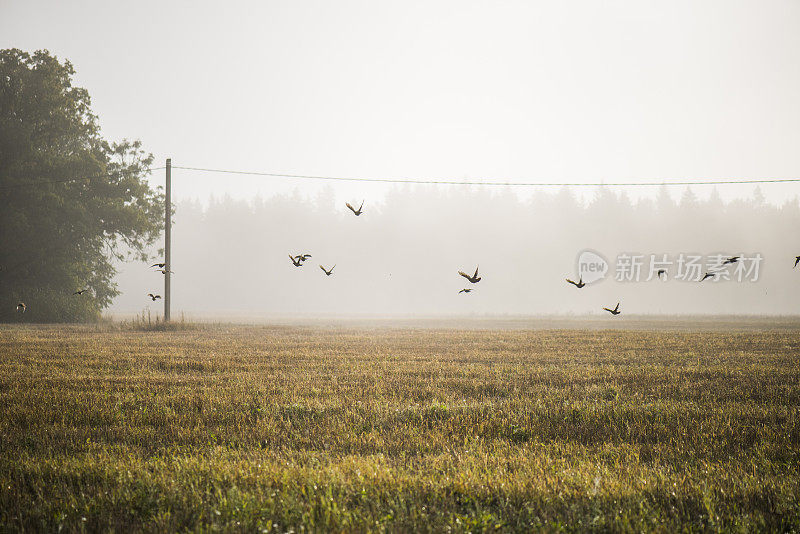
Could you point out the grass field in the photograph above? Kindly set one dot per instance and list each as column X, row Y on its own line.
column 280, row 428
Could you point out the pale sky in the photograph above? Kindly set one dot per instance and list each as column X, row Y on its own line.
column 511, row 91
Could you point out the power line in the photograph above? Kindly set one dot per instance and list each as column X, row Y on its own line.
column 458, row 182
column 110, row 174
column 425, row 181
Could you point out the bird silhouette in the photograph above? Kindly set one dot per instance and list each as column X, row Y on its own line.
column 21, row 307
column 796, row 261
column 579, row 284
column 164, row 271
column 465, row 290
column 295, row 261
column 660, row 272
column 358, row 211
column 474, row 278
column 328, row 272
column 732, row 259
column 80, row 292
column 159, row 265
column 302, row 257
column 153, row 297
column 615, row 311
column 708, row 275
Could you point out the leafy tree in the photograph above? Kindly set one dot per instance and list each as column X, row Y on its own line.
column 70, row 202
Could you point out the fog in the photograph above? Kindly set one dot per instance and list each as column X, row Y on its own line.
column 403, row 254
column 580, row 91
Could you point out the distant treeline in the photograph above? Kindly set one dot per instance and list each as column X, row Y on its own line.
column 402, row 255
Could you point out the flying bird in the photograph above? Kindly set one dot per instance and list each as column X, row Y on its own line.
column 732, row 259
column 328, row 272
column 159, row 265
column 474, row 278
column 21, row 307
column 708, row 275
column 302, row 257
column 153, row 297
column 80, row 292
column 579, row 284
column 356, row 211
column 164, row 271
column 796, row 261
column 296, row 262
column 615, row 311
column 465, row 290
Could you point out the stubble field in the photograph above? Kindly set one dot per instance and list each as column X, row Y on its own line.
column 281, row 428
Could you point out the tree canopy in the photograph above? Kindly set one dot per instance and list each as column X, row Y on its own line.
column 70, row 201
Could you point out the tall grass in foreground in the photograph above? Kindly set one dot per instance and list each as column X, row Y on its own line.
column 144, row 322
column 273, row 429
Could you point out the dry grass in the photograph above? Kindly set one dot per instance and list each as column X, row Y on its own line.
column 145, row 322
column 279, row 428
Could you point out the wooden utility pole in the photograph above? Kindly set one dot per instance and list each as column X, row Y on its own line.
column 167, row 238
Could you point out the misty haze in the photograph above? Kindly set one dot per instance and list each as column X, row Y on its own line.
column 402, row 255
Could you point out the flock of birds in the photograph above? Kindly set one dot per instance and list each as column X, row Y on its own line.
column 711, row 273
column 299, row 259
column 161, row 268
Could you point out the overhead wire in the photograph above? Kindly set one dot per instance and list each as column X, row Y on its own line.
column 409, row 180
column 486, row 183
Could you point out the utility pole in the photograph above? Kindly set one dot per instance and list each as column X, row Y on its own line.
column 167, row 238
